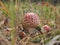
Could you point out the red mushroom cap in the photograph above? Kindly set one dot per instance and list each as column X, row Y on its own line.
column 31, row 20
column 46, row 28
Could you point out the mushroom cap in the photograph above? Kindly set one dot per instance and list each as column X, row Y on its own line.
column 46, row 28
column 31, row 20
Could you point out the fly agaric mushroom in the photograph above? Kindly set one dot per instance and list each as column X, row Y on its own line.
column 46, row 28
column 31, row 21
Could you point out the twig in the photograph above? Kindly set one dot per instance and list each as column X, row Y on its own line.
column 51, row 42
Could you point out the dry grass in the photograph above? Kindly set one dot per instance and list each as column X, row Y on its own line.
column 15, row 12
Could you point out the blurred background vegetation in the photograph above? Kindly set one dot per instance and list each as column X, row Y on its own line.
column 47, row 10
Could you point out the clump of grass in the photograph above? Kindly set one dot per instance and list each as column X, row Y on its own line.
column 10, row 13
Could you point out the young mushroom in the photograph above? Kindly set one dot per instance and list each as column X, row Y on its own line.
column 30, row 22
